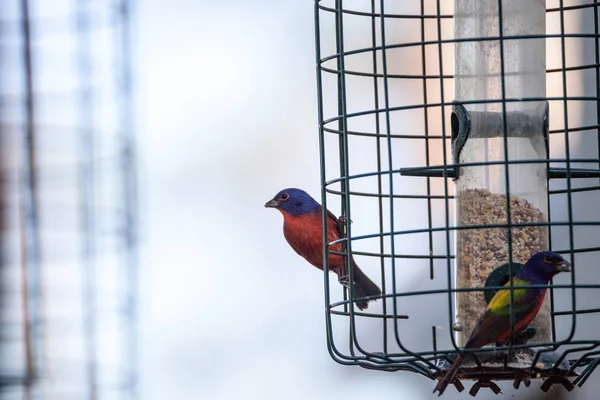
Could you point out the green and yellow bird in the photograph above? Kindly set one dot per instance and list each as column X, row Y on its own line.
column 494, row 325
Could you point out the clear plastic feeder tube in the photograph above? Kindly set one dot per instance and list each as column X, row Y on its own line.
column 480, row 138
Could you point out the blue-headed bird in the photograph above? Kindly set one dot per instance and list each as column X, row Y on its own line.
column 303, row 230
column 494, row 325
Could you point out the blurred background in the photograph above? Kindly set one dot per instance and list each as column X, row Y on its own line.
column 139, row 143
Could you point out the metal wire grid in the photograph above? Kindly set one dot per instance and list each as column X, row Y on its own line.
column 336, row 132
column 69, row 206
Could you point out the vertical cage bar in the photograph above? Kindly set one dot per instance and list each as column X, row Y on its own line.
column 388, row 133
column 320, row 117
column 597, row 75
column 345, row 171
column 129, row 195
column 379, row 139
column 343, row 152
column 440, row 54
column 565, row 102
column 426, row 132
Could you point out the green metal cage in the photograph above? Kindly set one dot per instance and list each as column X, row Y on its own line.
column 395, row 158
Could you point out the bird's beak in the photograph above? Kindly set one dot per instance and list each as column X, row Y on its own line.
column 564, row 266
column 272, row 204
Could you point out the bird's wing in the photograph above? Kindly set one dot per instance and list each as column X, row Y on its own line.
column 500, row 304
column 494, row 324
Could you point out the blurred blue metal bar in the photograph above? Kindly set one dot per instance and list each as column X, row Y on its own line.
column 87, row 138
column 128, row 195
column 30, row 244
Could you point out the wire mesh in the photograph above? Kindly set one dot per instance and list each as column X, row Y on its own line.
column 68, row 201
column 384, row 80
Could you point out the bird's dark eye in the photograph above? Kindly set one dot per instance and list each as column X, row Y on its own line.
column 285, row 196
column 548, row 259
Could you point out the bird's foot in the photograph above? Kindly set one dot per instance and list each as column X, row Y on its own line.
column 341, row 222
column 523, row 336
column 344, row 280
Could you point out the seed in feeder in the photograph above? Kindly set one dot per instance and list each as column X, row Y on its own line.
column 481, row 250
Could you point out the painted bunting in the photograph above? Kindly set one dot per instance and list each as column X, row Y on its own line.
column 494, row 325
column 303, row 230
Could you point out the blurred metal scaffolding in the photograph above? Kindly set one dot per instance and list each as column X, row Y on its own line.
column 68, row 270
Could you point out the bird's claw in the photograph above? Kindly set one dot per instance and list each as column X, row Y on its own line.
column 344, row 280
column 341, row 222
column 342, row 219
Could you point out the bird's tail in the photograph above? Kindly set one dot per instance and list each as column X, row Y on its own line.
column 449, row 377
column 363, row 287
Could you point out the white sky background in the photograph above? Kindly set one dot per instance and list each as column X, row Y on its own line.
column 226, row 118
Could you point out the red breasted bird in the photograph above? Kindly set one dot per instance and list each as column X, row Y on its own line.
column 494, row 325
column 303, row 230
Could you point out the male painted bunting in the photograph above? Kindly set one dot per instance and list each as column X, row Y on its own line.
column 303, row 230
column 494, row 325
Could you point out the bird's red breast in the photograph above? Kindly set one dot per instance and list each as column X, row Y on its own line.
column 526, row 320
column 304, row 233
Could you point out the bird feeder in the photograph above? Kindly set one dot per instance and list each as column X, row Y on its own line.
column 499, row 191
column 459, row 153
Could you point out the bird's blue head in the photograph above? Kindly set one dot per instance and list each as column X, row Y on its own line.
column 542, row 266
column 293, row 202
